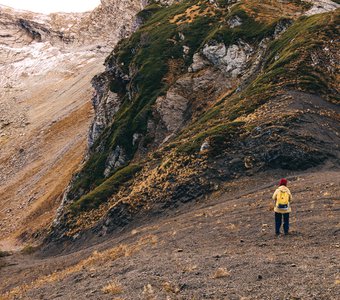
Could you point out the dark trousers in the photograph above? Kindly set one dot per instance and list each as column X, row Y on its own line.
column 278, row 222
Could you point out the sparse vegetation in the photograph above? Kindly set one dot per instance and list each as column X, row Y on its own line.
column 257, row 125
column 289, row 62
column 94, row 260
column 29, row 249
column 147, row 52
column 217, row 136
column 221, row 273
column 105, row 190
column 113, row 288
column 170, row 288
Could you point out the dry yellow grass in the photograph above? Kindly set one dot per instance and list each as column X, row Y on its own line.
column 113, row 288
column 192, row 13
column 221, row 273
column 190, row 268
column 148, row 292
column 267, row 11
column 170, row 288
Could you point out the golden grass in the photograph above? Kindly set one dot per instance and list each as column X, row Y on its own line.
column 192, row 13
column 148, row 292
column 267, row 11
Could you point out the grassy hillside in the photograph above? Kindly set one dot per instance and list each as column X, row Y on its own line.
column 249, row 127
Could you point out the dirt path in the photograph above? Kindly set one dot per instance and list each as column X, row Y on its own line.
column 222, row 248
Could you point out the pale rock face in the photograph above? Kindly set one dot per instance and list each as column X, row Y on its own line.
column 171, row 109
column 186, row 50
column 135, row 138
column 198, row 63
column 115, row 160
column 231, row 60
column 321, row 6
column 235, row 21
column 106, row 104
column 214, row 53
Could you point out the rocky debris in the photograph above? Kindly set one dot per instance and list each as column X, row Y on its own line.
column 276, row 143
column 167, row 2
column 293, row 130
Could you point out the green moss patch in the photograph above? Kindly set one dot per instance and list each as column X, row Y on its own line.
column 218, row 135
column 102, row 193
column 249, row 31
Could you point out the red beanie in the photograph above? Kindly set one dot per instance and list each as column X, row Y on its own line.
column 283, row 181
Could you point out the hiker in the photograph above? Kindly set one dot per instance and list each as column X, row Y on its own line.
column 282, row 198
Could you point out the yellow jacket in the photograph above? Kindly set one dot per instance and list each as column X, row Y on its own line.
column 281, row 210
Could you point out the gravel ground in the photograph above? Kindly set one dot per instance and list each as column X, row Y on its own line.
column 221, row 248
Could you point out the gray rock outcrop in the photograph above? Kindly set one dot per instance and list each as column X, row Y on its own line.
column 231, row 60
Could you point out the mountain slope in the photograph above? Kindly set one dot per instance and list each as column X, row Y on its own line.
column 197, row 116
column 47, row 63
column 203, row 93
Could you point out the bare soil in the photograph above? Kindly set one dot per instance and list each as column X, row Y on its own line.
column 42, row 146
column 222, row 247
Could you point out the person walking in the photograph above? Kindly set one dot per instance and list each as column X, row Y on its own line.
column 282, row 199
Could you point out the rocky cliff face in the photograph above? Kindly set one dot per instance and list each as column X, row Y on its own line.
column 47, row 63
column 205, row 92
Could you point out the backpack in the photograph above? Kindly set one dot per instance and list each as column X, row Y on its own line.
column 282, row 199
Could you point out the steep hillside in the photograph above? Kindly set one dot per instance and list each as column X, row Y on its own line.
column 197, row 114
column 47, row 62
column 205, row 92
